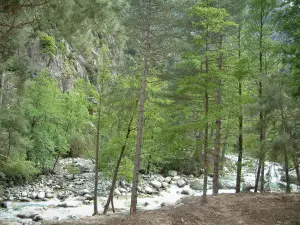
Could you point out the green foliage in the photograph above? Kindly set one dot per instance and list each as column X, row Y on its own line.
column 73, row 169
column 19, row 171
column 126, row 168
column 48, row 45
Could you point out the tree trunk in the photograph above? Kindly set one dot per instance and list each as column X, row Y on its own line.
column 140, row 125
column 240, row 139
column 286, row 168
column 2, row 77
column 205, row 153
column 97, row 163
column 261, row 113
column 257, row 175
column 111, row 192
column 218, row 127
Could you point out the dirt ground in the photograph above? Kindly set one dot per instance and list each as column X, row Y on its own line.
column 225, row 209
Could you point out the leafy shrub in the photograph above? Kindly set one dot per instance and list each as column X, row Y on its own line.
column 47, row 43
column 73, row 169
column 19, row 171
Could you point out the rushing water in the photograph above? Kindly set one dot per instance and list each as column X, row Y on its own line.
column 48, row 210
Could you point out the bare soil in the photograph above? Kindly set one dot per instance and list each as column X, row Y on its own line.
column 225, row 209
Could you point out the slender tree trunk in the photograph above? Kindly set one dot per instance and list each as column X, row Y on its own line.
column 218, row 127
column 257, row 176
column 2, row 77
column 140, row 124
column 205, row 153
column 111, row 192
column 9, row 144
column 240, row 139
column 97, row 163
column 261, row 114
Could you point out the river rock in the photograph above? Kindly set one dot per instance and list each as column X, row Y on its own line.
column 172, row 173
column 33, row 195
column 117, row 192
column 196, row 185
column 155, row 184
column 88, row 197
column 181, row 183
column 122, row 190
column 85, row 191
column 247, row 186
column 185, row 192
column 168, row 179
column 29, row 213
column 25, row 199
column 149, row 190
column 49, row 195
column 24, row 194
column 41, row 195
column 165, row 184
column 176, row 178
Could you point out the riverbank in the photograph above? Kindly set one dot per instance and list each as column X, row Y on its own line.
column 62, row 197
column 224, row 209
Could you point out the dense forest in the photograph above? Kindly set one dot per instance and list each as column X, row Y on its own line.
column 149, row 86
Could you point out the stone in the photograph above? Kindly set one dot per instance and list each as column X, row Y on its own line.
column 85, row 191
column 33, row 195
column 168, row 179
column 88, row 197
column 172, row 173
column 165, row 184
column 196, row 185
column 4, row 205
column 155, row 183
column 24, row 194
column 176, row 178
column 117, row 192
column 185, row 192
column 61, row 195
column 149, row 190
column 38, row 218
column 29, row 213
column 41, row 195
column 246, row 186
column 25, row 199
column 122, row 190
column 86, row 202
column 160, row 179
column 181, row 183
column 191, row 176
column 49, row 195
